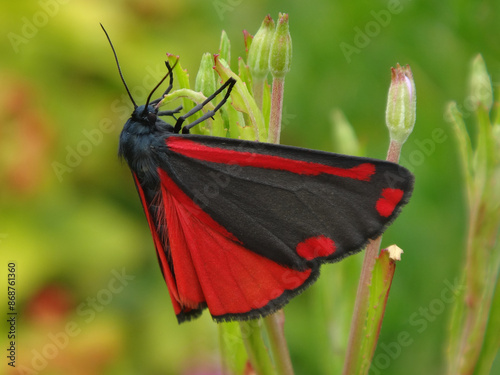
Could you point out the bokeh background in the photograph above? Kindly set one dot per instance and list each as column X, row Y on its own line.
column 90, row 296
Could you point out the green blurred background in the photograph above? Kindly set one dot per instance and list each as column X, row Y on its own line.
column 72, row 231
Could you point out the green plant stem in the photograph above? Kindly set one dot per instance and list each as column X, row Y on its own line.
column 275, row 322
column 251, row 333
column 481, row 279
column 394, row 152
column 276, row 110
column 355, row 359
column 233, row 352
column 277, row 342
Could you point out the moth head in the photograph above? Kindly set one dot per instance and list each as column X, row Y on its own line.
column 145, row 114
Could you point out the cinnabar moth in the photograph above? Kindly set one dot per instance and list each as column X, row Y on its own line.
column 241, row 227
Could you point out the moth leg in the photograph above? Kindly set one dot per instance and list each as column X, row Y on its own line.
column 170, row 83
column 171, row 112
column 178, row 125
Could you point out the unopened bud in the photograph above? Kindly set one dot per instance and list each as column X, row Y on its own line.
column 280, row 59
column 480, row 88
column 205, row 79
column 401, row 104
column 258, row 55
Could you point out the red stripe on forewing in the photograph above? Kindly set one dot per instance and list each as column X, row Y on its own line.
column 388, row 201
column 199, row 151
column 233, row 279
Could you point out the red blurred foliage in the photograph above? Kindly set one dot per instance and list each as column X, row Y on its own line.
column 49, row 305
column 26, row 135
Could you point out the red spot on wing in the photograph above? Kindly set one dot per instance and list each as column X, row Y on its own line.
column 199, row 151
column 233, row 279
column 388, row 201
column 316, row 247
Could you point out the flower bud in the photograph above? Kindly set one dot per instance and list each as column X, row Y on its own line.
column 258, row 55
column 480, row 89
column 205, row 79
column 401, row 104
column 280, row 59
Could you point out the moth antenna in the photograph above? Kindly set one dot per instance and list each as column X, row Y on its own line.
column 170, row 71
column 118, row 65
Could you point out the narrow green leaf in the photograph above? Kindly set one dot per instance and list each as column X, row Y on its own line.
column 181, row 79
column 464, row 143
column 344, row 138
column 225, row 47
column 383, row 273
column 491, row 343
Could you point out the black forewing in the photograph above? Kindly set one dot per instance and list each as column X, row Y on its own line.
column 271, row 211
